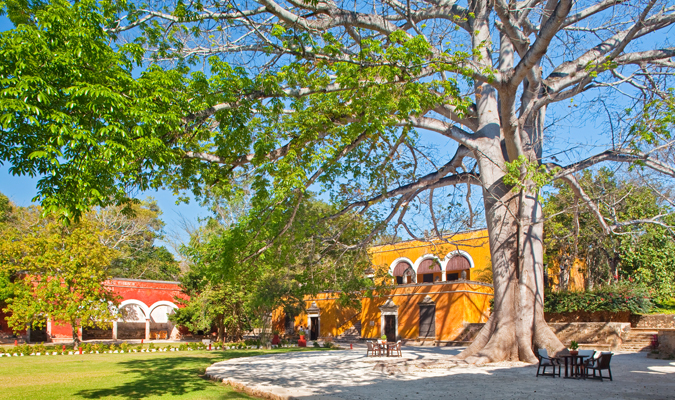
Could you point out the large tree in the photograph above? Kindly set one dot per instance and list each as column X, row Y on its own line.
column 339, row 96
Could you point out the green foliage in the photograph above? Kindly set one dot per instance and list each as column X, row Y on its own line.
column 644, row 253
column 574, row 345
column 58, row 273
column 614, row 298
column 521, row 173
column 316, row 344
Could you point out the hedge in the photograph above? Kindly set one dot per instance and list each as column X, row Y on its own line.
column 613, row 298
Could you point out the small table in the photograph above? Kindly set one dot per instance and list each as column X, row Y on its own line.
column 574, row 361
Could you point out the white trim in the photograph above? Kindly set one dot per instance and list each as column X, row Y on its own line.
column 398, row 260
column 452, row 254
column 426, row 257
column 384, row 314
column 139, row 303
column 161, row 303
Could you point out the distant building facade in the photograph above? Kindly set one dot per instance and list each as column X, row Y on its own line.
column 145, row 306
column 435, row 294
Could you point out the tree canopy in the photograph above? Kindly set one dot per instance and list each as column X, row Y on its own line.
column 103, row 98
column 638, row 252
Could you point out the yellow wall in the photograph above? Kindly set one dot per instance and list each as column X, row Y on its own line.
column 456, row 305
column 475, row 243
column 457, row 302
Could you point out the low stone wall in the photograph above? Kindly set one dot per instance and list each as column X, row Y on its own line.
column 655, row 321
column 611, row 334
column 667, row 342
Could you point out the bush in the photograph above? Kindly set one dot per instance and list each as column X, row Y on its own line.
column 182, row 347
column 168, row 347
column 192, row 346
column 316, row 344
column 113, row 347
column 151, row 346
column 39, row 348
column 328, row 345
column 613, row 298
column 124, row 346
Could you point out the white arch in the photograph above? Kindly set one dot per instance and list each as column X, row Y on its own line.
column 162, row 303
column 398, row 260
column 462, row 253
column 426, row 257
column 138, row 303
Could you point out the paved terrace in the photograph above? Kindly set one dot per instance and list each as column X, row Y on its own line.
column 425, row 373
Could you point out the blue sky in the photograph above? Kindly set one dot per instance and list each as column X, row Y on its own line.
column 583, row 132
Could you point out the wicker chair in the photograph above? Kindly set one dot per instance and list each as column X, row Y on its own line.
column 546, row 361
column 373, row 348
column 599, row 364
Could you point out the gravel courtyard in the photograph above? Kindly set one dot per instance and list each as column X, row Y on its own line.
column 423, row 373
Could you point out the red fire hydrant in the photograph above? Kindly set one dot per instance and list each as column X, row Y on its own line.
column 80, row 349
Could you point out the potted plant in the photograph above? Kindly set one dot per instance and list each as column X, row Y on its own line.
column 574, row 346
column 383, row 338
column 275, row 337
column 302, row 342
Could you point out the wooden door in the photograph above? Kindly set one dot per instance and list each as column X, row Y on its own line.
column 314, row 331
column 390, row 327
column 427, row 320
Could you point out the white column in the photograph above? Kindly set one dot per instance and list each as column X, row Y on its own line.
column 114, row 330
column 147, row 328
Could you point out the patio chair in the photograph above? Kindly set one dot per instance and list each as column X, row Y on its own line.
column 599, row 364
column 546, row 361
column 397, row 350
column 372, row 349
column 588, row 358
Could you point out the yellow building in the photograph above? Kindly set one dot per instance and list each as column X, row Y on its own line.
column 437, row 290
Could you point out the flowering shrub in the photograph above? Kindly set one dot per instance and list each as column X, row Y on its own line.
column 613, row 298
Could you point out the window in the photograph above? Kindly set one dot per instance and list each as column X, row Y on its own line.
column 453, row 277
column 428, row 278
column 399, row 280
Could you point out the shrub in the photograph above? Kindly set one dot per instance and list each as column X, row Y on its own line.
column 168, row 347
column 328, row 345
column 124, row 346
column 316, row 344
column 192, row 346
column 39, row 348
column 2, row 350
column 182, row 347
column 613, row 298
column 151, row 346
column 218, row 344
column 113, row 347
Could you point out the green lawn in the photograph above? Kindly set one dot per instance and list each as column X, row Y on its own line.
column 170, row 375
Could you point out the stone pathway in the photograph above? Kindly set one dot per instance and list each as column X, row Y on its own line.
column 349, row 375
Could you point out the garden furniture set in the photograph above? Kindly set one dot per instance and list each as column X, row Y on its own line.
column 389, row 349
column 577, row 364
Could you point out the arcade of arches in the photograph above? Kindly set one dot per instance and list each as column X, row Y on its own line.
column 145, row 307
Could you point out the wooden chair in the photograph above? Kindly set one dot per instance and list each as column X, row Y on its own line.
column 599, row 364
column 372, row 349
column 397, row 349
column 162, row 334
column 546, row 361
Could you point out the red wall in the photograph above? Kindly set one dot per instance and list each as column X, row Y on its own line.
column 147, row 292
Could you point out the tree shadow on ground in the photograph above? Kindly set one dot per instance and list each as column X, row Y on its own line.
column 166, row 376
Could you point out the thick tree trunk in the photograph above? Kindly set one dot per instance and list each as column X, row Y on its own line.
column 76, row 337
column 515, row 229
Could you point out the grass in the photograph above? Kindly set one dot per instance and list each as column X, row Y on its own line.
column 666, row 307
column 170, row 375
